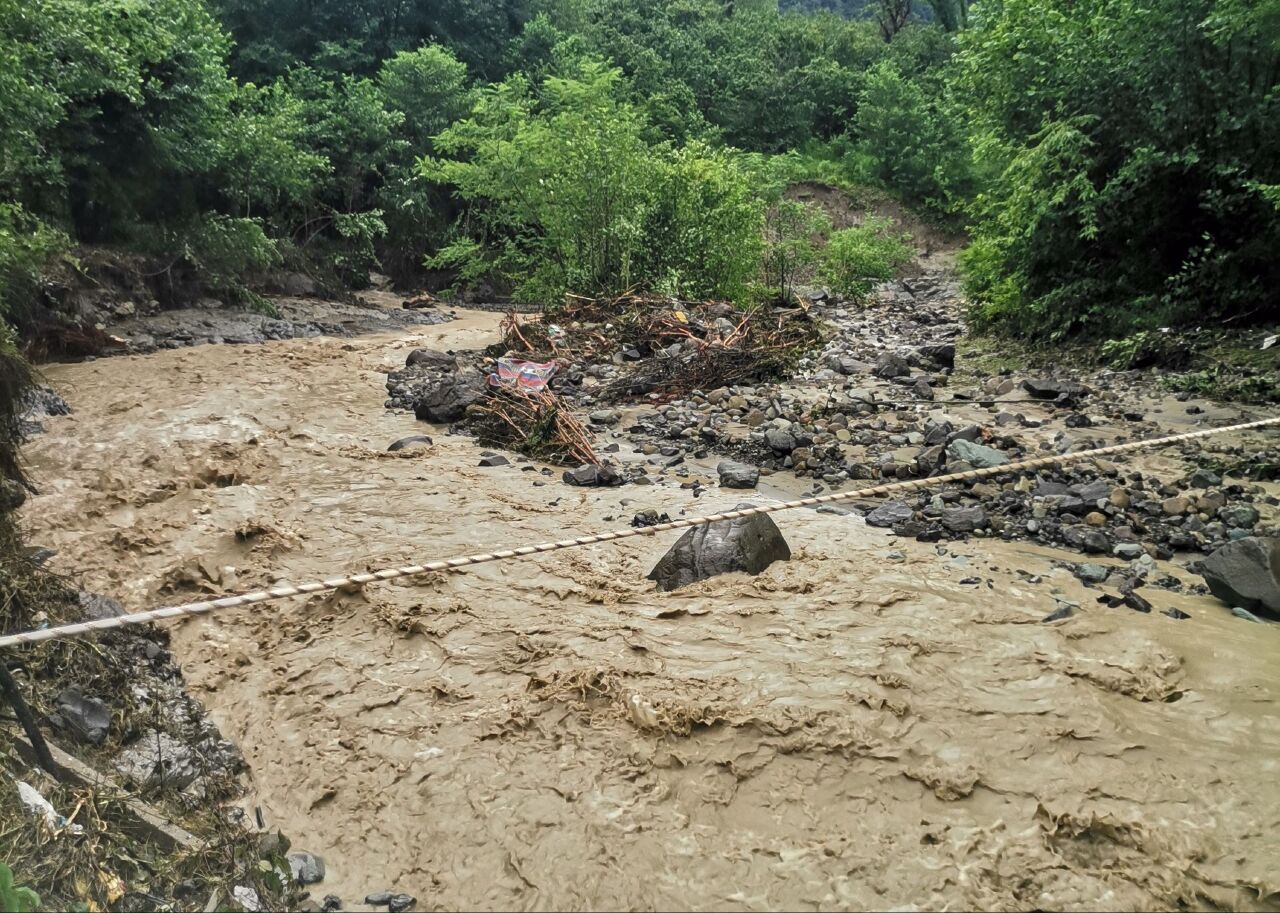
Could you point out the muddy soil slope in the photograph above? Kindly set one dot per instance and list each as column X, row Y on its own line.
column 878, row 723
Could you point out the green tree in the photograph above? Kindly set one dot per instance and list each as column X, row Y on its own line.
column 1128, row 148
column 565, row 190
column 792, row 232
column 911, row 144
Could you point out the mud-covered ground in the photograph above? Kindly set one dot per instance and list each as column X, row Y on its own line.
column 878, row 723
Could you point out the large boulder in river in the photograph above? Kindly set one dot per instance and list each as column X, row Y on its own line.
column 446, row 398
column 747, row 544
column 1245, row 574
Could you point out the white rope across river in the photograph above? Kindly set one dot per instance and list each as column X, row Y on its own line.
column 79, row 629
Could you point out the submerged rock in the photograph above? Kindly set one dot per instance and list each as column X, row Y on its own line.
column 748, row 544
column 1245, row 573
column 413, row 440
column 890, row 514
column 588, row 476
column 430, row 357
column 1047, row 388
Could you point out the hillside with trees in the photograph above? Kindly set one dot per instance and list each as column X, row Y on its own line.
column 1115, row 163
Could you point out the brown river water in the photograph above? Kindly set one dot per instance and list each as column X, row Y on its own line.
column 856, row 728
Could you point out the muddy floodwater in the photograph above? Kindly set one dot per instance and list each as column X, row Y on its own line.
column 879, row 723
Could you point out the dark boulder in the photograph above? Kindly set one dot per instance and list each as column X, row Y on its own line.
column 943, row 354
column 1245, row 573
column 779, row 440
column 588, row 476
column 748, row 544
column 446, row 399
column 889, row 366
column 413, row 440
column 87, row 718
column 737, row 475
column 1047, row 388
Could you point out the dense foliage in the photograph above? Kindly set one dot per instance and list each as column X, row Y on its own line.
column 567, row 192
column 1133, row 150
column 1115, row 158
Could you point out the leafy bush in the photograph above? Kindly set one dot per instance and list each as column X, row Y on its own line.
column 701, row 236
column 909, row 143
column 855, row 259
column 566, row 190
column 14, row 897
column 792, row 231
column 26, row 246
column 1128, row 149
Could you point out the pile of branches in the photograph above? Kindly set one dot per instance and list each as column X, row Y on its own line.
column 537, row 424
column 720, row 345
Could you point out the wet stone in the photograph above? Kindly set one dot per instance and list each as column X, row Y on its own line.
column 890, row 514
column 1241, row 516
column 413, row 440
column 589, row 476
column 1091, row 573
column 964, row 519
column 306, row 868
column 748, row 544
column 1204, row 478
column 1245, row 573
column 1045, row 388
column 737, row 475
column 976, row 455
column 87, row 718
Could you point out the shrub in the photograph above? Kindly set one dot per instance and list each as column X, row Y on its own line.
column 14, row 897
column 566, row 190
column 26, row 246
column 855, row 259
column 1129, row 148
column 792, row 231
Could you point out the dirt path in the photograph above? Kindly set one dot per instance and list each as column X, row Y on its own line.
column 879, row 723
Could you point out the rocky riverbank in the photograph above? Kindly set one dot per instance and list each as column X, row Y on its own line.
column 889, row 395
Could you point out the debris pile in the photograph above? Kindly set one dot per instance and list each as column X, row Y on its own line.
column 666, row 346
column 537, row 424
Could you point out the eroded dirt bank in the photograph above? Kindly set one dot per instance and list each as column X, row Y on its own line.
column 864, row 726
